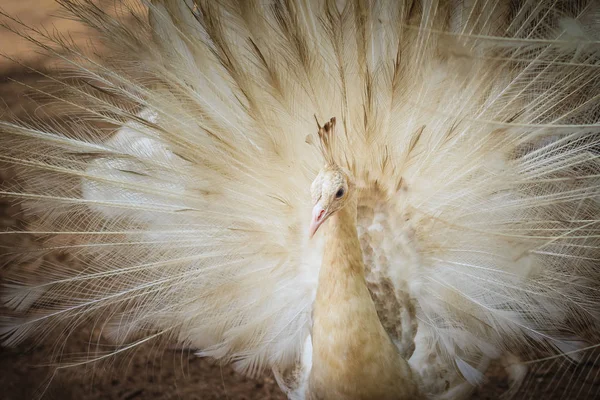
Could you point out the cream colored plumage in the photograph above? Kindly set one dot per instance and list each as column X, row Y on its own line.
column 350, row 360
column 471, row 129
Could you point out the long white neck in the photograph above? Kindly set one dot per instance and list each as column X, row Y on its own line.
column 353, row 356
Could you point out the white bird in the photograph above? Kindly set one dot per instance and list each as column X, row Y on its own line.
column 467, row 142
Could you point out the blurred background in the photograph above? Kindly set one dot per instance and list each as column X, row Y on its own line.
column 151, row 372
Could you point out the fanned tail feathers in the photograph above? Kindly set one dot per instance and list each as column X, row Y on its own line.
column 473, row 131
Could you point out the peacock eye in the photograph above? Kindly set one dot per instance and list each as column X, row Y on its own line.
column 339, row 193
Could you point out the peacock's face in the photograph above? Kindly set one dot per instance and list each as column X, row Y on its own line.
column 330, row 192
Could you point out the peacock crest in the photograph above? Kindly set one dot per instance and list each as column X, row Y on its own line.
column 327, row 137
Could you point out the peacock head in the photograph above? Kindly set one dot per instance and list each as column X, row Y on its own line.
column 333, row 186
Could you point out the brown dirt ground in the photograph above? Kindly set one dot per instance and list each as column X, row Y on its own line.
column 147, row 373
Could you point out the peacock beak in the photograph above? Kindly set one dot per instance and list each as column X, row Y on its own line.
column 318, row 217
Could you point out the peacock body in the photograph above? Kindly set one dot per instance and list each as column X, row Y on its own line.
column 471, row 129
